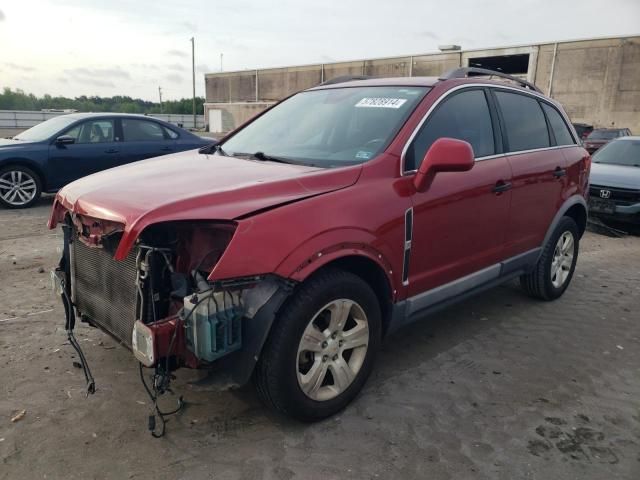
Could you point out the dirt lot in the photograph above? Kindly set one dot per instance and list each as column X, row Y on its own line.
column 499, row 387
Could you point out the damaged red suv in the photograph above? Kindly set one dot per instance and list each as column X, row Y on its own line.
column 286, row 253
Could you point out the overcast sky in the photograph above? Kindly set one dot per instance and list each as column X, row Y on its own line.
column 111, row 47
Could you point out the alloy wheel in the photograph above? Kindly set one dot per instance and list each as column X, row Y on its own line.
column 332, row 349
column 562, row 259
column 17, row 187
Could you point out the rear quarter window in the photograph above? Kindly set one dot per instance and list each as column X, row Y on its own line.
column 524, row 121
column 558, row 126
column 170, row 133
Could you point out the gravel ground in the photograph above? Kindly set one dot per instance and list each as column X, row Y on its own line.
column 498, row 387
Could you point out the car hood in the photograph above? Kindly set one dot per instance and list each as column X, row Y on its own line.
column 609, row 175
column 192, row 186
column 9, row 143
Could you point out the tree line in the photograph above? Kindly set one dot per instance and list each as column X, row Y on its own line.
column 19, row 100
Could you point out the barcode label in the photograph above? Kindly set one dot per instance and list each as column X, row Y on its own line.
column 381, row 102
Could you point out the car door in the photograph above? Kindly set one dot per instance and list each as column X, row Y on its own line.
column 95, row 147
column 144, row 139
column 538, row 166
column 459, row 222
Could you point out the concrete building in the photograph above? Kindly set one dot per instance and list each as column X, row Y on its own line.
column 597, row 80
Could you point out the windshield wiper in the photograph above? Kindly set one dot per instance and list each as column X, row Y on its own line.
column 264, row 157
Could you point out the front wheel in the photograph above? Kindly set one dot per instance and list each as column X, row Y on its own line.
column 321, row 348
column 555, row 267
column 20, row 187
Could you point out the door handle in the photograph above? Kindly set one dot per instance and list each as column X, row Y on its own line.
column 166, row 149
column 559, row 172
column 501, row 186
column 111, row 150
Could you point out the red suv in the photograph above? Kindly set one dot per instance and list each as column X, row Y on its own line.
column 287, row 253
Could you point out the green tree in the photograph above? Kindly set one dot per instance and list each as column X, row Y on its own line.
column 19, row 100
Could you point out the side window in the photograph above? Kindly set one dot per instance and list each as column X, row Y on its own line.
column 170, row 133
column 524, row 121
column 134, row 130
column 93, row 131
column 464, row 116
column 75, row 132
column 558, row 126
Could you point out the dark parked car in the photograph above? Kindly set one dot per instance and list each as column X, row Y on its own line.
column 287, row 252
column 583, row 129
column 602, row 136
column 53, row 153
column 615, row 181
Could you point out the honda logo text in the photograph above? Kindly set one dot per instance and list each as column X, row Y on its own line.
column 605, row 193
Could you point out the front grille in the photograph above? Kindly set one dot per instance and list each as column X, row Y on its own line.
column 621, row 196
column 105, row 289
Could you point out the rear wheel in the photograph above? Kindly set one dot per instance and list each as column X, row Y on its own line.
column 554, row 270
column 20, row 187
column 321, row 348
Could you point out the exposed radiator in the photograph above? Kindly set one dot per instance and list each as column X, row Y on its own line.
column 104, row 289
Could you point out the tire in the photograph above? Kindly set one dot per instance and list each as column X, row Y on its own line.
column 20, row 187
column 545, row 281
column 282, row 372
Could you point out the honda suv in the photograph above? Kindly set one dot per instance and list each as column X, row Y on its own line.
column 286, row 253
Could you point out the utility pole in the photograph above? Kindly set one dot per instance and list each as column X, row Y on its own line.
column 160, row 94
column 193, row 72
column 221, row 61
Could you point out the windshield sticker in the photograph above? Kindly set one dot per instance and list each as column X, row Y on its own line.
column 409, row 92
column 381, row 102
column 363, row 155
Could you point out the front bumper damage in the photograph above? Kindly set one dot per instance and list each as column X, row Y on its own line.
column 190, row 322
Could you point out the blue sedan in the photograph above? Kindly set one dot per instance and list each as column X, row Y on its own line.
column 53, row 153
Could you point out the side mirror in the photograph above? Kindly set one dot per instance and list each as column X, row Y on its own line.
column 445, row 155
column 65, row 140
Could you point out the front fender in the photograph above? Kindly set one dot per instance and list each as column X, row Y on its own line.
column 329, row 246
column 34, row 165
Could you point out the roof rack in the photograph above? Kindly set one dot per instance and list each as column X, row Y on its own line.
column 465, row 71
column 346, row 78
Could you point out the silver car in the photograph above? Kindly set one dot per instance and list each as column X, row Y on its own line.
column 615, row 181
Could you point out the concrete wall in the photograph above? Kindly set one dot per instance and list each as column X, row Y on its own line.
column 434, row 65
column 388, row 67
column 235, row 114
column 598, row 81
column 333, row 70
column 277, row 83
column 230, row 87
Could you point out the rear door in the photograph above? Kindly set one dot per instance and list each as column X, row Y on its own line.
column 459, row 222
column 96, row 147
column 144, row 139
column 576, row 157
column 539, row 169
